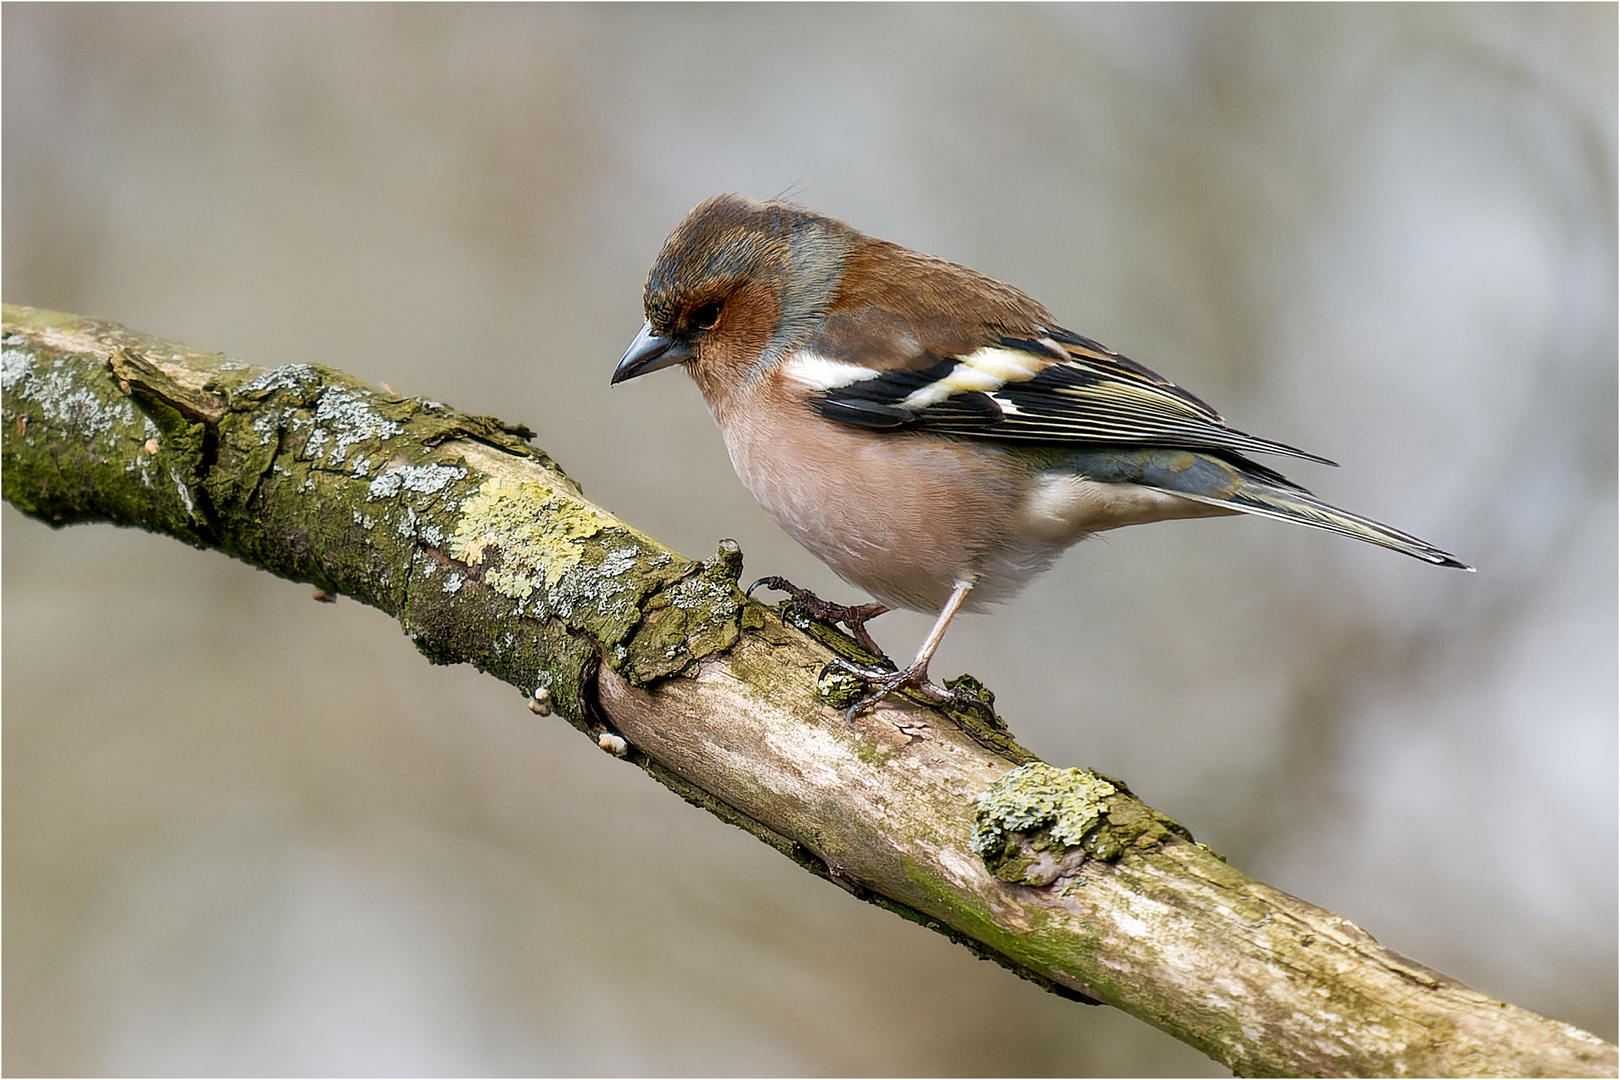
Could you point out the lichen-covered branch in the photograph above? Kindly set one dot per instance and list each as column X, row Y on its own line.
column 487, row 554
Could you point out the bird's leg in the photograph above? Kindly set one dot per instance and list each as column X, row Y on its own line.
column 915, row 674
column 855, row 618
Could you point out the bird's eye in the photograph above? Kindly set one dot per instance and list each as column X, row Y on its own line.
column 706, row 316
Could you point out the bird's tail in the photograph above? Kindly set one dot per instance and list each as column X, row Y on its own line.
column 1260, row 494
column 1230, row 481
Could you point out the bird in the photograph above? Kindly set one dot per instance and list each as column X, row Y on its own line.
column 932, row 435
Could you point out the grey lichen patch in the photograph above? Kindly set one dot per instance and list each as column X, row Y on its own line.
column 15, row 363
column 295, row 385
column 1067, row 803
column 297, row 379
column 347, row 418
column 62, row 395
column 1032, row 821
column 1037, row 823
column 422, row 479
column 701, row 592
column 184, row 491
column 620, row 561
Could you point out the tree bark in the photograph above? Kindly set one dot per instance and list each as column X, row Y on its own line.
column 487, row 554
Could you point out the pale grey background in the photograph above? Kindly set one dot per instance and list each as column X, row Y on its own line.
column 245, row 833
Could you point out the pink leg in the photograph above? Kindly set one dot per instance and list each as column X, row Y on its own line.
column 915, row 674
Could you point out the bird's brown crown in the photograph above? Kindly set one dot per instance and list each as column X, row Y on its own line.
column 730, row 241
column 721, row 243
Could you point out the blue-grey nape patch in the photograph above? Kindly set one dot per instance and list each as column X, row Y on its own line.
column 816, row 254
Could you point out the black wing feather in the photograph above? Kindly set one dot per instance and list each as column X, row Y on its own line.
column 1079, row 392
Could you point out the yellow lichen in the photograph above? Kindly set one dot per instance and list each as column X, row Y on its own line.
column 535, row 528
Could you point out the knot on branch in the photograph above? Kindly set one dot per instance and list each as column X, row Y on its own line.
column 698, row 615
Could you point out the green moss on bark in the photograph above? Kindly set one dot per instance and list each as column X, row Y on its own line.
column 78, row 448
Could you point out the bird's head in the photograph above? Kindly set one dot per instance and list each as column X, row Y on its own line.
column 737, row 284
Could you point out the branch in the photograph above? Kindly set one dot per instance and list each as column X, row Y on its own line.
column 487, row 554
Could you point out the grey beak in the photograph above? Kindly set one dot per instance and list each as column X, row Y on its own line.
column 649, row 352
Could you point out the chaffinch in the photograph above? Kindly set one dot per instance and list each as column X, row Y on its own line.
column 932, row 435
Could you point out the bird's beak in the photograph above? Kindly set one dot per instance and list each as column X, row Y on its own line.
column 649, row 352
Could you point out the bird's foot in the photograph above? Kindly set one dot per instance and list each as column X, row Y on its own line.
column 854, row 618
column 885, row 681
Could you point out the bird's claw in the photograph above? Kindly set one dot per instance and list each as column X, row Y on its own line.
column 855, row 618
column 886, row 681
column 765, row 582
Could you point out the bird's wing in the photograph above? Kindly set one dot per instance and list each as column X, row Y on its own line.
column 1048, row 386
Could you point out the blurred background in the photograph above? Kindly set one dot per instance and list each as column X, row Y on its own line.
column 249, row 834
